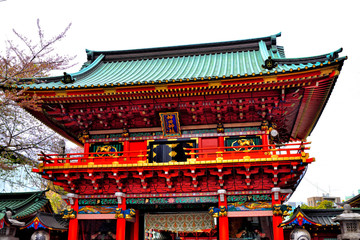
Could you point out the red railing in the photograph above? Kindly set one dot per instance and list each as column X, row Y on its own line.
column 253, row 151
column 197, row 154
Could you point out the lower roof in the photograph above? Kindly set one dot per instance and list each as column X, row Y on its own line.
column 22, row 204
column 48, row 221
column 319, row 217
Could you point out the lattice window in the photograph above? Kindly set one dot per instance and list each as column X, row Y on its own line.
column 351, row 227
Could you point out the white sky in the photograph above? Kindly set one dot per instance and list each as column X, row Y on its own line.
column 308, row 28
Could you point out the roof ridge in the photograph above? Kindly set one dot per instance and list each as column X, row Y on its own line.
column 319, row 58
column 221, row 46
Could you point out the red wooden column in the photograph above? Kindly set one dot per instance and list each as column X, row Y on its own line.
column 265, row 140
column 135, row 227
column 221, row 142
column 121, row 222
column 223, row 220
column 86, row 147
column 126, row 149
column 277, row 219
column 73, row 223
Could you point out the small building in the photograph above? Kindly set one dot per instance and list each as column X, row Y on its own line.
column 314, row 201
column 318, row 222
column 24, row 214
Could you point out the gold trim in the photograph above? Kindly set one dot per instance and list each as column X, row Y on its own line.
column 190, row 161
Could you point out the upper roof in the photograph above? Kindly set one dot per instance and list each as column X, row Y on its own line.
column 208, row 61
column 23, row 204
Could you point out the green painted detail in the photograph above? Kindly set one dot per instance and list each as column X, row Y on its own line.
column 146, row 134
column 246, row 144
column 98, row 201
column 106, row 147
column 249, row 198
column 199, row 131
column 174, row 207
column 245, row 129
column 100, row 136
column 119, row 135
column 177, row 200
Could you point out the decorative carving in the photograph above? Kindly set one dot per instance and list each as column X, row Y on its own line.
column 84, row 136
column 68, row 78
column 68, row 213
column 242, row 143
column 127, row 213
column 125, row 133
column 220, row 128
column 264, row 125
column 106, row 148
column 218, row 212
column 172, row 154
column 270, row 63
column 281, row 210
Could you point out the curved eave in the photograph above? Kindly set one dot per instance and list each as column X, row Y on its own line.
column 31, row 209
column 56, row 79
column 47, row 221
column 314, row 103
column 57, row 128
column 281, row 69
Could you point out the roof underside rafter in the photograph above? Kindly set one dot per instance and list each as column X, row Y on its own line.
column 237, row 74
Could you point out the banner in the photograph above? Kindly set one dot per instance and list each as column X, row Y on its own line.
column 180, row 222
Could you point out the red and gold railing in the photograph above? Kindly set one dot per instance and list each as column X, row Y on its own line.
column 194, row 155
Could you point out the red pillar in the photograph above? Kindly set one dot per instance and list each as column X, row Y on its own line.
column 265, row 140
column 121, row 222
column 86, row 147
column 135, row 227
column 126, row 150
column 221, row 142
column 277, row 219
column 73, row 223
column 223, row 220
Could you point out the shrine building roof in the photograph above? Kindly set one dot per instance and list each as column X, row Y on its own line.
column 209, row 61
column 316, row 217
column 354, row 201
column 23, row 204
column 47, row 221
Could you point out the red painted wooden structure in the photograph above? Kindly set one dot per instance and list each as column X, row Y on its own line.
column 243, row 126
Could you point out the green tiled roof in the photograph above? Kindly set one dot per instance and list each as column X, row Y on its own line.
column 185, row 63
column 23, row 204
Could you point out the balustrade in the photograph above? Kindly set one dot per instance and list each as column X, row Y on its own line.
column 192, row 154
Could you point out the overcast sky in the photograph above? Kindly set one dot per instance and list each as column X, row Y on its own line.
column 308, row 28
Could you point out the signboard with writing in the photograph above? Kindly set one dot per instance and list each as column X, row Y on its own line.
column 170, row 124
